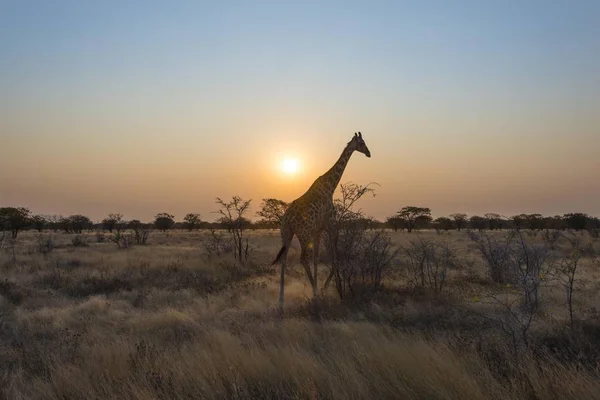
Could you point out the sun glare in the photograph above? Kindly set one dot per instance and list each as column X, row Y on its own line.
column 289, row 166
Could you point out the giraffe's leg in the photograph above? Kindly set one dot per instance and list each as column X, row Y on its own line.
column 333, row 255
column 286, row 237
column 305, row 257
column 282, row 282
column 317, row 242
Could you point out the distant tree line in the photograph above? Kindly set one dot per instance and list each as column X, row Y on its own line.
column 408, row 218
column 412, row 218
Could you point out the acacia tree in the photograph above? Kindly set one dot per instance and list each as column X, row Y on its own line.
column 412, row 215
column 76, row 223
column 14, row 219
column 164, row 221
column 192, row 221
column 477, row 222
column 576, row 221
column 53, row 221
column 271, row 211
column 395, row 222
column 232, row 215
column 494, row 221
column 113, row 221
column 460, row 220
column 519, row 221
column 442, row 223
column 39, row 222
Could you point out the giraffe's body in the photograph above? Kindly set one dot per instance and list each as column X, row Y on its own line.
column 310, row 214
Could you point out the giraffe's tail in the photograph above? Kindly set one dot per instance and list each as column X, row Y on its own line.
column 279, row 255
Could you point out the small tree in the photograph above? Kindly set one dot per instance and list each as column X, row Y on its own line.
column 477, row 222
column 395, row 222
column 15, row 219
column 566, row 271
column 576, row 221
column 271, row 211
column 140, row 231
column 192, row 221
column 442, row 224
column 77, row 223
column 519, row 221
column 113, row 221
column 53, row 222
column 412, row 216
column 494, row 221
column 164, row 221
column 232, row 215
column 535, row 221
column 460, row 220
column 39, row 222
column 496, row 252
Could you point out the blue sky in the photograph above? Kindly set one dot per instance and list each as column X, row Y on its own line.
column 467, row 105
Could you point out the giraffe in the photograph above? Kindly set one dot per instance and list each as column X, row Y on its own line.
column 310, row 214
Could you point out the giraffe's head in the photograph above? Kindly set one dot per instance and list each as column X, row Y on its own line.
column 357, row 143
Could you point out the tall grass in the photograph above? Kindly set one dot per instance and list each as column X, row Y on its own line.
column 164, row 322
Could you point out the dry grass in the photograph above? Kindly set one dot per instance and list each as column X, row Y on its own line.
column 163, row 321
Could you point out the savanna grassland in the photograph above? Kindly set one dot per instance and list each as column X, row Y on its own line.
column 90, row 320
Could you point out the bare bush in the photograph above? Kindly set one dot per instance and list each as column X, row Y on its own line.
column 358, row 259
column 522, row 267
column 511, row 259
column 232, row 215
column 428, row 262
column 530, row 263
column 45, row 243
column 216, row 244
column 496, row 251
column 141, row 232
column 11, row 248
column 113, row 221
column 2, row 236
column 100, row 237
column 550, row 237
column 79, row 240
column 122, row 240
column 566, row 271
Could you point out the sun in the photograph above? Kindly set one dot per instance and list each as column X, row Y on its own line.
column 289, row 166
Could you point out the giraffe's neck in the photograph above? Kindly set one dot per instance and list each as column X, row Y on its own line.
column 332, row 178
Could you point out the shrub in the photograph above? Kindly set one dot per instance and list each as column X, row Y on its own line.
column 141, row 232
column 122, row 240
column 358, row 259
column 45, row 243
column 79, row 241
column 550, row 237
column 496, row 251
column 216, row 244
column 232, row 215
column 428, row 262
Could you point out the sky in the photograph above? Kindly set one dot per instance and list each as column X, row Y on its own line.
column 141, row 107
